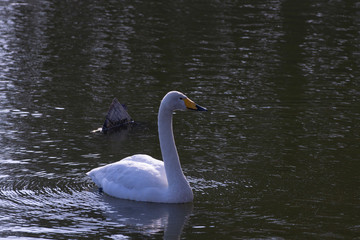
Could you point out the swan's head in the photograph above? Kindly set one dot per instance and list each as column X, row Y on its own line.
column 178, row 101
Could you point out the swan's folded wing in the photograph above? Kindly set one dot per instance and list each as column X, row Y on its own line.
column 134, row 172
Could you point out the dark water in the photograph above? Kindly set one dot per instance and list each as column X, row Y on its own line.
column 277, row 155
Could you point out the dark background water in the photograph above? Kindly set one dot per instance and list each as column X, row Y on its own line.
column 277, row 155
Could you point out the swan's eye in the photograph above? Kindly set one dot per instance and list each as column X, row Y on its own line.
column 181, row 98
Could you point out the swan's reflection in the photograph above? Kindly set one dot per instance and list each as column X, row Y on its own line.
column 149, row 218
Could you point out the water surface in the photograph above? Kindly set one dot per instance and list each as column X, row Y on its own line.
column 277, row 155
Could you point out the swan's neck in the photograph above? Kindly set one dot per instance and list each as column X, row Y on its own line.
column 169, row 153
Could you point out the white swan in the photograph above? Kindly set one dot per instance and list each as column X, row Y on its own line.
column 143, row 178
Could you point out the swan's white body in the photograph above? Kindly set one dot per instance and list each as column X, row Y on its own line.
column 143, row 178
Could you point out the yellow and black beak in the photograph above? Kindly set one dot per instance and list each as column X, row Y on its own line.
column 193, row 106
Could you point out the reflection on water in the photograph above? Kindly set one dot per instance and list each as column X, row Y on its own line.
column 149, row 218
column 40, row 207
column 277, row 155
